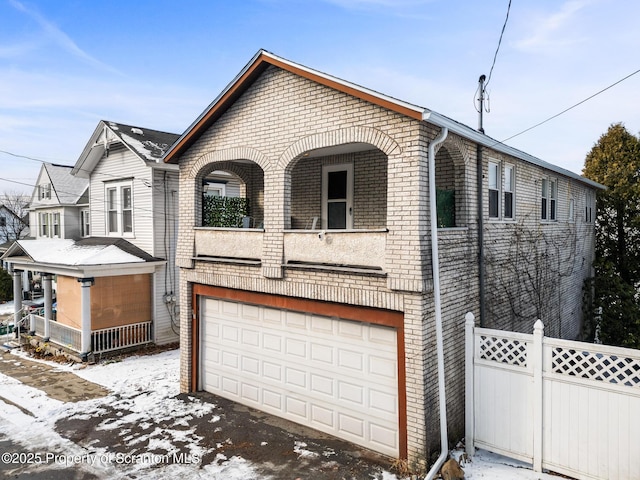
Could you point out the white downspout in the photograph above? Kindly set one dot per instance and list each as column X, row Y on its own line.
column 433, row 218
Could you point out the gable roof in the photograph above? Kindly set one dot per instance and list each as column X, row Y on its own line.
column 263, row 59
column 68, row 188
column 147, row 144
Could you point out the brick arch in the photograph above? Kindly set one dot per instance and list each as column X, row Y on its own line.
column 456, row 147
column 228, row 155
column 369, row 135
column 452, row 163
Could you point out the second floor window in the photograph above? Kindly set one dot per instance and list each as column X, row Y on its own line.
column 44, row 224
column 119, row 203
column 44, row 191
column 85, row 223
column 502, row 183
column 549, row 194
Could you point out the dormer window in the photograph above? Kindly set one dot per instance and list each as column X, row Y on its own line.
column 44, row 191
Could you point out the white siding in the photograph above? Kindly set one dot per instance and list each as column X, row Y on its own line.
column 165, row 206
column 121, row 165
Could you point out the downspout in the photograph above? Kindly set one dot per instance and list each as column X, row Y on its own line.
column 481, row 280
column 433, row 218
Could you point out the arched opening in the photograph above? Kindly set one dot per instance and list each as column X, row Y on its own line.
column 231, row 195
column 341, row 187
column 450, row 188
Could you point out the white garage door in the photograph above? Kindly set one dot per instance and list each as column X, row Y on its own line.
column 334, row 375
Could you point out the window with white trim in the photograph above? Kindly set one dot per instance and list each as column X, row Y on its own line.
column 85, row 223
column 55, row 225
column 119, row 208
column 549, row 196
column 501, row 186
column 44, row 191
column 494, row 191
column 588, row 208
column 509, row 192
column 44, row 224
column 3, row 221
column 214, row 189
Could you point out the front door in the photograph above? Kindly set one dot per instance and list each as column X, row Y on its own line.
column 337, row 196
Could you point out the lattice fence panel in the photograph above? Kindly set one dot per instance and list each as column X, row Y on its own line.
column 596, row 366
column 503, row 350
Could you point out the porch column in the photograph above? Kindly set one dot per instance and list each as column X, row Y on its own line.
column 85, row 301
column 17, row 298
column 48, row 304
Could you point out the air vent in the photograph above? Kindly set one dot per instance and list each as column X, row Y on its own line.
column 137, row 131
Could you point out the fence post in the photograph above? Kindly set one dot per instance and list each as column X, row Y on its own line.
column 538, row 398
column 32, row 324
column 469, row 344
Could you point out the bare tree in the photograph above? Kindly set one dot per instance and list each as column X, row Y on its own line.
column 14, row 216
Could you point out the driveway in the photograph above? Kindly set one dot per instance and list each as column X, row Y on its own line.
column 126, row 419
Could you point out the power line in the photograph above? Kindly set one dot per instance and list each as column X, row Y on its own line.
column 571, row 107
column 495, row 56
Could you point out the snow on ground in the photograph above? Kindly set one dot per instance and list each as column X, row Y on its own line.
column 144, row 387
column 6, row 308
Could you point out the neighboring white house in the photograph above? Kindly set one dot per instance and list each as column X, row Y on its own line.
column 12, row 226
column 59, row 204
column 106, row 229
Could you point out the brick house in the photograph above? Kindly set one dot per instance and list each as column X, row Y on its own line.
column 322, row 311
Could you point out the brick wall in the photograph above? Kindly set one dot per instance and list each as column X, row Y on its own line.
column 274, row 124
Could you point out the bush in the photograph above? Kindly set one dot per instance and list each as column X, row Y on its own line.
column 6, row 286
column 224, row 211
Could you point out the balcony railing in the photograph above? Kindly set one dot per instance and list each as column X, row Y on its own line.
column 354, row 248
column 240, row 243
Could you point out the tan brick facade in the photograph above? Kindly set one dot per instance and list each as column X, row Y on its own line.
column 264, row 138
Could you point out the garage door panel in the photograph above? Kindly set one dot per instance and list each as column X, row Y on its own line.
column 322, row 353
column 351, row 360
column 338, row 376
column 322, row 325
column 322, row 385
column 296, row 407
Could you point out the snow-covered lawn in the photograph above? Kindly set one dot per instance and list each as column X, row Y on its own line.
column 144, row 390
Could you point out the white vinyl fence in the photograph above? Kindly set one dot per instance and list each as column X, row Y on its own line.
column 569, row 407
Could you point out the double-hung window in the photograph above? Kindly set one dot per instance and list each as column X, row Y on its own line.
column 494, row 190
column 588, row 208
column 55, row 225
column 119, row 208
column 85, row 223
column 549, row 196
column 44, row 191
column 509, row 192
column 44, row 224
column 502, row 182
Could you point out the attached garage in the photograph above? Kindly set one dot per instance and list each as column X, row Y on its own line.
column 338, row 375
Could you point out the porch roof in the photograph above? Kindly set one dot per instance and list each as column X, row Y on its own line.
column 263, row 59
column 95, row 256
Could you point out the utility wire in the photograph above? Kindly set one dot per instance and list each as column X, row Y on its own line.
column 571, row 107
column 495, row 56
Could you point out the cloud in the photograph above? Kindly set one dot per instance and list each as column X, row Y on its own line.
column 371, row 4
column 60, row 38
column 553, row 30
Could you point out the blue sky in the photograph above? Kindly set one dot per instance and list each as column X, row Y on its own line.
column 66, row 64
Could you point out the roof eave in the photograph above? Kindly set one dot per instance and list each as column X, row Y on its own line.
column 486, row 141
column 252, row 70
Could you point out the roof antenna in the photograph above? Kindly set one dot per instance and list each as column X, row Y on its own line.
column 481, row 102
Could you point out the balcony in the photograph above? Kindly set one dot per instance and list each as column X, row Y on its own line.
column 356, row 250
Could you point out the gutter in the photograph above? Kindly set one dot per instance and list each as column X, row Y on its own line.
column 433, row 217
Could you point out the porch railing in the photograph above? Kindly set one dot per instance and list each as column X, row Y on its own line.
column 116, row 338
column 64, row 335
column 103, row 340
